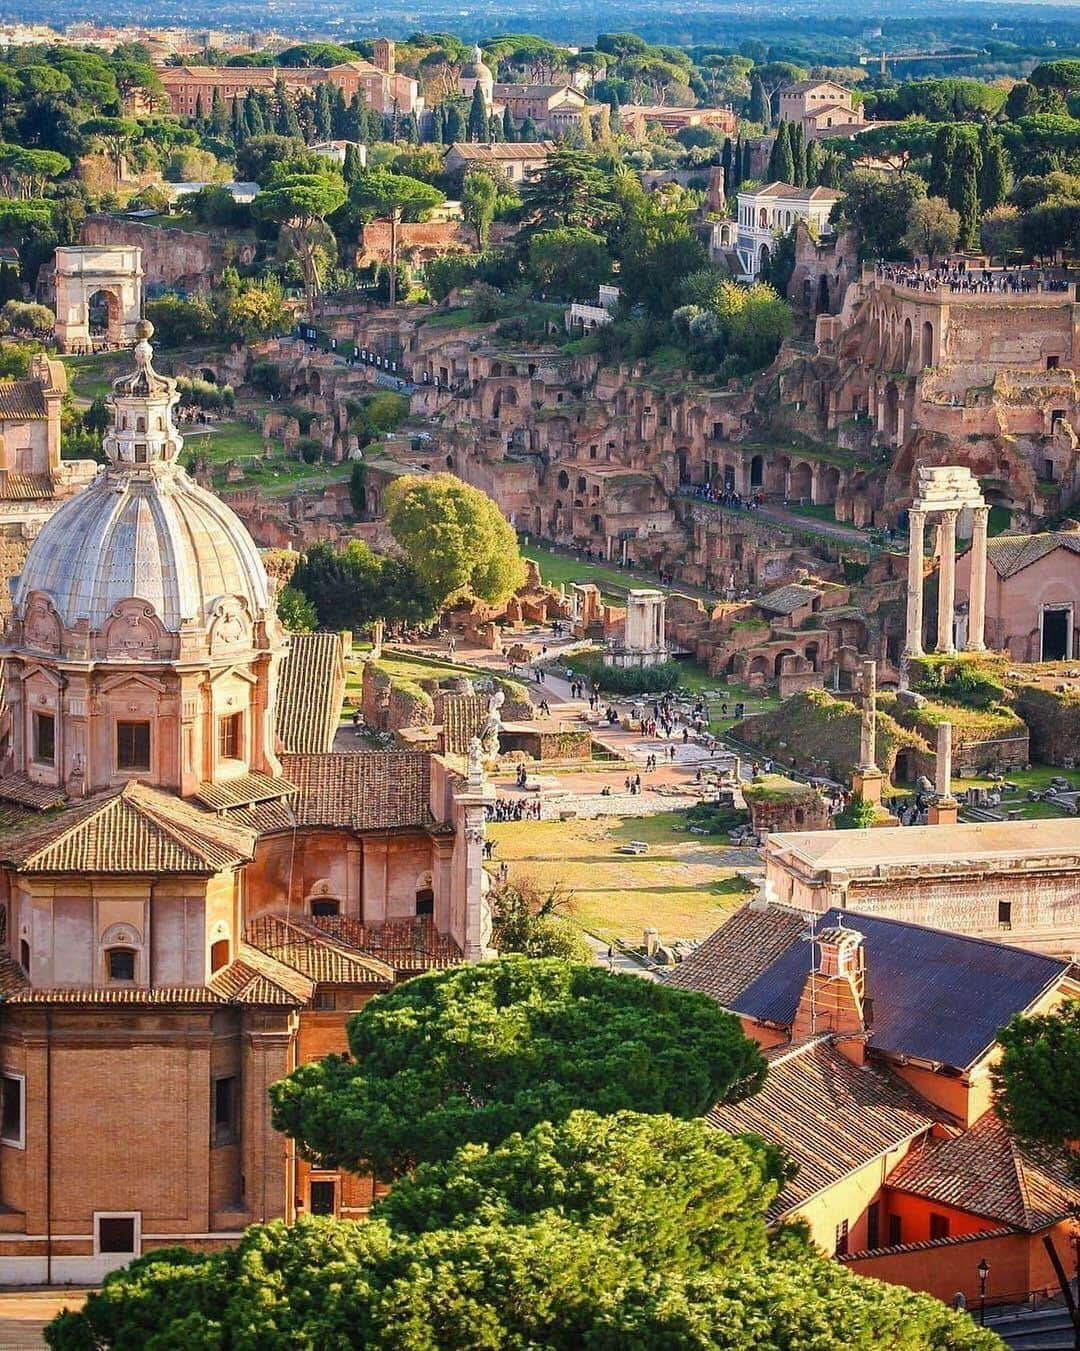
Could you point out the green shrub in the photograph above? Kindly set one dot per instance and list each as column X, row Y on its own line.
column 626, row 679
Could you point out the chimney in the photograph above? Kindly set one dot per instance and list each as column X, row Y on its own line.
column 833, row 999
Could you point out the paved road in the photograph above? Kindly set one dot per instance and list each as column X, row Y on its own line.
column 24, row 1314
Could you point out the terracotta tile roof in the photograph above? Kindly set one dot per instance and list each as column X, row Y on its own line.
column 789, row 192
column 244, row 791
column 257, row 977
column 21, row 401
column 109, row 994
column 408, row 946
column 264, row 817
column 830, row 1116
column 372, row 790
column 511, row 151
column 950, row 1241
column 739, row 951
column 986, row 1173
column 136, row 830
column 1010, row 554
column 41, row 796
column 311, row 687
column 315, row 953
column 26, row 487
column 463, row 717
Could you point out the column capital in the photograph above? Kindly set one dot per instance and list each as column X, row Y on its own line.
column 949, row 515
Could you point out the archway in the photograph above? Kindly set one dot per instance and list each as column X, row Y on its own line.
column 810, row 652
column 763, row 258
column 314, row 382
column 907, row 343
column 564, row 479
column 209, row 375
column 823, row 294
column 103, row 315
column 776, row 473
column 904, row 770
column 801, row 480
column 757, row 470
column 828, row 484
column 778, row 660
column 927, row 343
column 681, row 460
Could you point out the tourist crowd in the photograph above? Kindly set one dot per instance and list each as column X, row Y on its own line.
column 958, row 279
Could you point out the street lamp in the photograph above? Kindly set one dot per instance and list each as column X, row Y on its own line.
column 984, row 1272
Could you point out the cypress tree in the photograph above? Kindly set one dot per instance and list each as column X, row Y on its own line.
column 339, row 115
column 529, row 134
column 725, row 163
column 354, row 120
column 781, row 165
column 455, row 127
column 813, row 164
column 798, row 154
column 322, row 113
column 508, row 125
column 994, row 171
column 478, row 117
column 438, row 126
column 759, row 103
column 941, row 162
column 237, row 127
column 200, row 110
column 616, row 118
column 495, row 129
column 352, row 168
column 964, row 190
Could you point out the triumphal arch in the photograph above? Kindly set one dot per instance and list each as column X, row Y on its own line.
column 85, row 272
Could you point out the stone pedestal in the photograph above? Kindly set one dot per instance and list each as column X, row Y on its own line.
column 943, row 812
column 867, row 784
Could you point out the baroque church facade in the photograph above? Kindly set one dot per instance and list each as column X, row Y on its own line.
column 195, row 889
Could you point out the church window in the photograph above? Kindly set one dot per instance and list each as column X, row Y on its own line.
column 121, row 962
column 326, row 907
column 44, row 738
column 133, row 745
column 219, row 954
column 231, row 737
column 425, row 902
column 224, row 1103
column 12, row 1110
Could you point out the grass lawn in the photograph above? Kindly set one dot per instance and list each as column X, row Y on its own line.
column 276, row 477
column 560, row 569
column 91, row 377
column 819, row 512
column 1038, row 776
column 683, row 887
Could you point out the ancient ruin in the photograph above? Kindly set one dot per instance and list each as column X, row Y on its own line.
column 946, row 492
column 85, row 272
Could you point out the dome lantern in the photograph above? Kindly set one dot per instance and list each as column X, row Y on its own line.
column 143, row 431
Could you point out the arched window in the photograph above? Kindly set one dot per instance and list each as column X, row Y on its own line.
column 121, row 963
column 140, row 424
column 219, row 954
column 425, row 902
column 325, row 907
column 24, row 955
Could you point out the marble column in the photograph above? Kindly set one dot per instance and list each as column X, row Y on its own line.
column 947, row 582
column 916, row 526
column 943, row 762
column 976, row 639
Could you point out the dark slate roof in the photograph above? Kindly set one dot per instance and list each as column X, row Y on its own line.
column 1009, row 554
column 935, row 995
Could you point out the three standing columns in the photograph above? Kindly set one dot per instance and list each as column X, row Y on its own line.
column 913, row 646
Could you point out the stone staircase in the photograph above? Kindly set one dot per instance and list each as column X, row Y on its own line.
column 1048, row 1329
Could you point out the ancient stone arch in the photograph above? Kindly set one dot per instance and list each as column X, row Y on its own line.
column 84, row 270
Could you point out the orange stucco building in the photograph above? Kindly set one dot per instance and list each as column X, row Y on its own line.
column 195, row 890
column 880, row 1036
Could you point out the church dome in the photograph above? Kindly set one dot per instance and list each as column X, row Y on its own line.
column 476, row 70
column 143, row 530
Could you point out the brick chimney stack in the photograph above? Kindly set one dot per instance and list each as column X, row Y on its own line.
column 833, row 999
